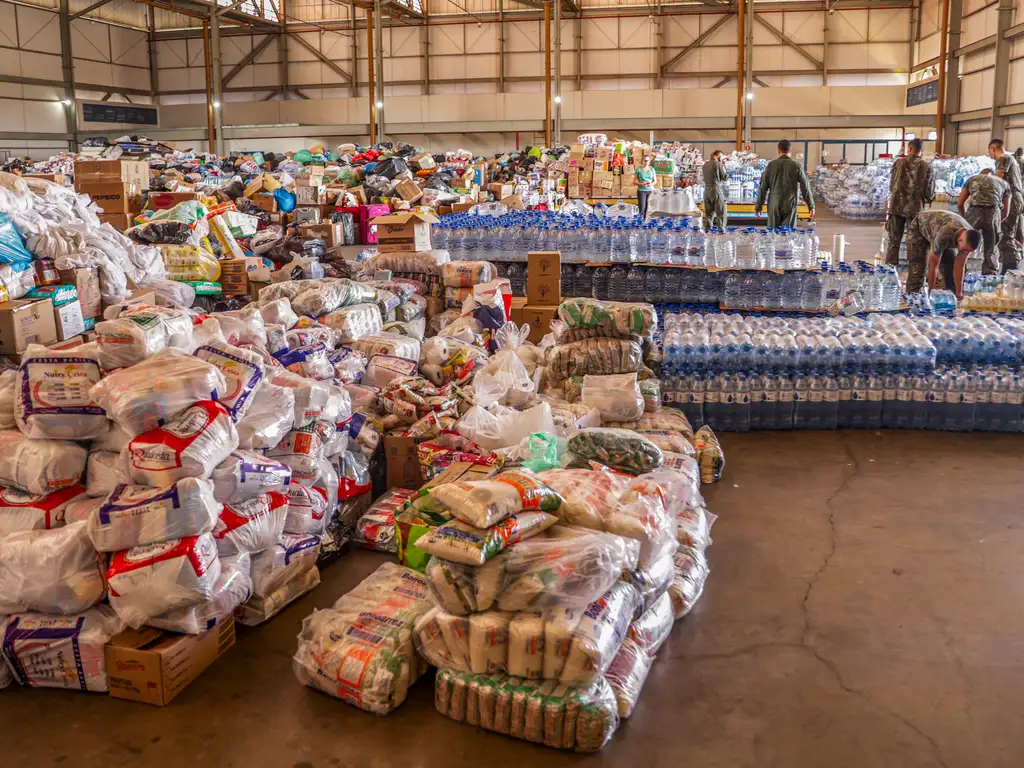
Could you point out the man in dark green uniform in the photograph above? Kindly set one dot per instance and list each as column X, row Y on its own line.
column 1012, row 232
column 911, row 187
column 939, row 238
column 784, row 178
column 984, row 202
column 715, row 211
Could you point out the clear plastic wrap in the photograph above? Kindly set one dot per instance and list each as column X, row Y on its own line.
column 252, row 525
column 620, row 449
column 668, row 441
column 615, row 316
column 67, row 652
column 383, row 369
column 376, row 528
column 650, row 390
column 463, row 543
column 140, row 332
column 615, row 396
column 355, row 322
column 313, row 399
column 136, row 515
column 243, row 326
column 710, row 456
column 244, row 475
column 190, row 444
column 279, row 312
column 21, row 511
column 668, row 419
column 269, row 418
column 309, row 332
column 594, row 356
column 627, row 674
column 139, row 398
column 50, row 571
column 564, row 717
column 482, row 503
column 654, row 625
column 53, row 400
column 259, row 609
column 8, row 393
column 361, row 649
column 291, row 556
column 309, row 361
column 466, row 274
column 307, row 510
column 104, row 472
column 653, row 581
column 243, row 372
column 691, row 567
column 423, row 262
column 349, row 365
column 233, row 587
column 40, row 466
column 152, row 579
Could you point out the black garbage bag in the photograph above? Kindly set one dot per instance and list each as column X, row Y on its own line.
column 377, row 186
column 390, row 167
column 314, row 248
column 441, row 181
column 154, row 232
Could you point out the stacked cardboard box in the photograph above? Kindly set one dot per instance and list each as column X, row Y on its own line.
column 115, row 185
column 543, row 292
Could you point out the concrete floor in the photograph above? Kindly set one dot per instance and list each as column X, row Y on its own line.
column 865, row 608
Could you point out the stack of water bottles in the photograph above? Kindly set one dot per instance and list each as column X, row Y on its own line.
column 739, row 373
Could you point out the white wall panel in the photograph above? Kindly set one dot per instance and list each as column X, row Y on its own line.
column 978, row 26
column 976, row 91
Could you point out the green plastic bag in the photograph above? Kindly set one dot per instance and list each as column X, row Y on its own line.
column 257, row 157
column 542, row 452
column 302, row 156
column 205, row 287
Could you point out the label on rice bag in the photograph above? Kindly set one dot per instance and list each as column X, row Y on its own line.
column 136, row 515
column 463, row 543
column 191, row 444
column 23, row 511
column 305, row 441
column 243, row 377
column 45, row 652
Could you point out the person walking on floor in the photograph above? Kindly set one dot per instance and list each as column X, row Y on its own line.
column 939, row 239
column 645, row 177
column 1012, row 231
column 716, row 213
column 785, row 179
column 911, row 188
column 987, row 201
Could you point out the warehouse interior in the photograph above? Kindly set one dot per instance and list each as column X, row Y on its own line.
column 863, row 607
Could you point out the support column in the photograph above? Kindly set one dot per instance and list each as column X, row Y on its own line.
column 379, row 53
column 501, row 46
column 741, row 69
column 658, row 34
column 355, row 53
column 949, row 131
column 547, row 73
column 426, row 49
column 154, row 73
column 371, row 90
column 748, row 84
column 218, row 84
column 210, row 133
column 557, row 130
column 68, row 73
column 824, row 45
column 282, row 49
column 579, row 52
column 940, row 109
column 1000, row 90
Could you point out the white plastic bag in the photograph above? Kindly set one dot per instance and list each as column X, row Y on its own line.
column 152, row 579
column 243, row 372
column 355, row 322
column 269, row 418
column 286, row 560
column 140, row 332
column 8, row 390
column 252, row 525
column 135, row 515
column 307, row 510
column 233, row 587
column 104, row 472
column 39, row 466
column 190, row 444
column 616, row 396
column 53, row 395
column 245, row 475
column 21, row 511
column 243, row 326
column 279, row 312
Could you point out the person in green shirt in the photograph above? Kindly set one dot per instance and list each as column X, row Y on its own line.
column 645, row 177
column 785, row 179
column 715, row 210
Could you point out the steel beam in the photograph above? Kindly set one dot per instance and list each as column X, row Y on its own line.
column 952, row 100
column 1001, row 81
column 154, row 71
column 217, row 85
column 88, row 9
column 725, row 80
column 257, row 49
column 425, row 39
column 330, row 63
column 695, row 43
column 378, row 20
column 501, row 46
column 777, row 34
column 282, row 49
column 68, row 73
column 557, row 130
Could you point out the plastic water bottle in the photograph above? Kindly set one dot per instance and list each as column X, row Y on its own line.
column 746, row 248
column 696, row 247
column 890, row 290
column 800, row 252
column 653, row 284
column 782, row 245
column 831, row 287
column 619, row 244
column 517, row 279
column 583, row 285
column 618, row 289
column 765, row 249
column 784, row 410
column 810, row 292
column 725, row 251
column 772, row 295
column 634, row 284
column 920, row 398
column 741, row 419
column 791, row 290
column 733, row 297
column 599, row 283
column 671, row 286
column 568, row 280
column 769, row 416
column 830, row 403
column 712, row 401
column 871, row 289
column 751, row 290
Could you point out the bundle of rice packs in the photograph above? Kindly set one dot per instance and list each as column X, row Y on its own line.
column 290, row 556
column 614, row 316
column 627, row 674
column 190, row 444
column 245, row 475
column 593, row 356
column 652, row 582
column 141, row 397
column 422, row 262
column 67, row 652
column 466, row 274
column 53, row 395
column 268, row 419
column 615, row 396
column 669, row 441
column 152, row 579
column 279, row 312
column 50, row 571
column 560, row 716
column 136, row 515
column 243, row 372
column 483, row 503
column 21, row 511
column 252, row 525
column 355, row 322
column 260, row 608
column 328, row 294
column 376, row 528
column 286, row 290
column 104, row 472
column 302, row 449
column 691, row 567
column 307, row 510
column 463, row 543
column 40, row 466
column 140, row 332
column 361, row 650
column 653, row 626
column 233, row 587
column 669, row 419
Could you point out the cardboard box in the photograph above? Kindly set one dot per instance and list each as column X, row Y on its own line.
column 24, row 322
column 119, row 221
column 516, row 311
column 588, row 164
column 262, row 183
column 544, row 278
column 617, row 186
column 264, row 201
column 158, row 201
column 666, row 182
column 501, row 190
column 332, row 234
column 154, row 666
column 56, row 178
column 602, row 180
column 577, row 151
column 603, row 153
column 601, row 165
column 68, row 320
column 112, row 171
column 539, row 319
column 408, row 190
column 423, row 161
column 87, row 282
column 403, row 466
column 402, row 232
column 513, row 202
column 629, row 191
column 114, row 197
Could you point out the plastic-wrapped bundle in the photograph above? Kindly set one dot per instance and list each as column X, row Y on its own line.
column 653, row 626
column 291, row 556
column 307, row 510
column 152, row 579
column 243, row 372
column 594, row 356
column 252, row 525
column 244, row 475
column 67, row 652
column 139, row 332
column 653, row 581
column 403, row 290
column 361, row 649
column 384, row 343
column 355, row 322
column 189, row 263
column 17, row 279
column 308, row 335
column 53, row 399
column 329, row 294
column 314, row 400
column 668, row 441
column 140, row 398
column 383, row 369
column 466, row 274
column 668, row 419
column 279, row 312
column 620, row 449
column 691, row 567
column 286, row 290
column 233, row 587
column 243, row 326
column 710, row 456
column 190, row 444
column 650, row 390
column 104, row 472
column 309, row 361
column 615, row 316
column 463, row 543
column 564, row 717
column 482, row 503
column 136, row 515
column 627, row 674
column 50, row 571
column 261, row 608
column 269, row 418
column 387, row 303
column 376, row 528
column 39, row 466
column 616, row 397
column 424, row 262
column 21, row 511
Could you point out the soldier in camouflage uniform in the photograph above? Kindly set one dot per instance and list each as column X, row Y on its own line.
column 987, row 201
column 785, row 179
column 1012, row 231
column 715, row 210
column 911, row 187
column 939, row 238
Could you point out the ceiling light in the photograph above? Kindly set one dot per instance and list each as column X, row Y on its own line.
column 558, row 99
column 66, row 102
column 380, row 105
column 750, row 95
column 216, row 105
column 911, row 136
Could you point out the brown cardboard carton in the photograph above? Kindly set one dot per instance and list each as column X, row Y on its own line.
column 400, row 232
column 56, row 178
column 119, row 221
column 87, row 282
column 574, row 177
column 544, row 278
column 262, row 183
column 588, row 164
column 265, row 201
column 422, row 161
column 577, row 151
column 539, row 319
column 616, row 186
column 501, row 190
column 513, row 202
column 629, row 191
column 332, row 234
column 408, row 190
column 516, row 311
column 24, row 322
column 403, row 466
column 153, row 666
column 666, row 181
column 114, row 197
column 112, row 171
column 602, row 180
